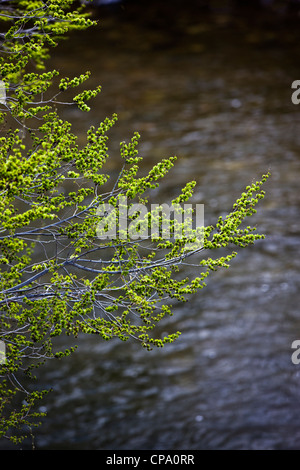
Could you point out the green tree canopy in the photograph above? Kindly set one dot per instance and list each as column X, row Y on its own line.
column 58, row 273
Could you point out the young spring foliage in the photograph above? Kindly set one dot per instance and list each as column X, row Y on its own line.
column 56, row 275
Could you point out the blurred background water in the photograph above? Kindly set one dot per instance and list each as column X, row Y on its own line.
column 212, row 86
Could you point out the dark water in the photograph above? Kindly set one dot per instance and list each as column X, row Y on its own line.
column 215, row 90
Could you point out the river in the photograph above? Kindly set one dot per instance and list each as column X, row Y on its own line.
column 215, row 90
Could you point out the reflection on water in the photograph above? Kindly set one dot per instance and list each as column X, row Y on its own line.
column 216, row 91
